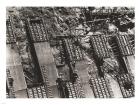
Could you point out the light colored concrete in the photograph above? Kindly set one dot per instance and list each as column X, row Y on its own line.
column 13, row 63
column 81, row 67
column 45, row 57
column 44, row 53
column 12, row 56
column 55, row 91
column 131, row 64
column 21, row 94
column 115, row 87
column 87, row 90
column 18, row 76
column 83, row 74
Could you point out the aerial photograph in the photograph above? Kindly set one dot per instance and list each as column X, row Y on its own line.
column 70, row 52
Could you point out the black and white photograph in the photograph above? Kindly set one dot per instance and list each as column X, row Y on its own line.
column 70, row 52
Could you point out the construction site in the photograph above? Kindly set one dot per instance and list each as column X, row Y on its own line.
column 70, row 52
